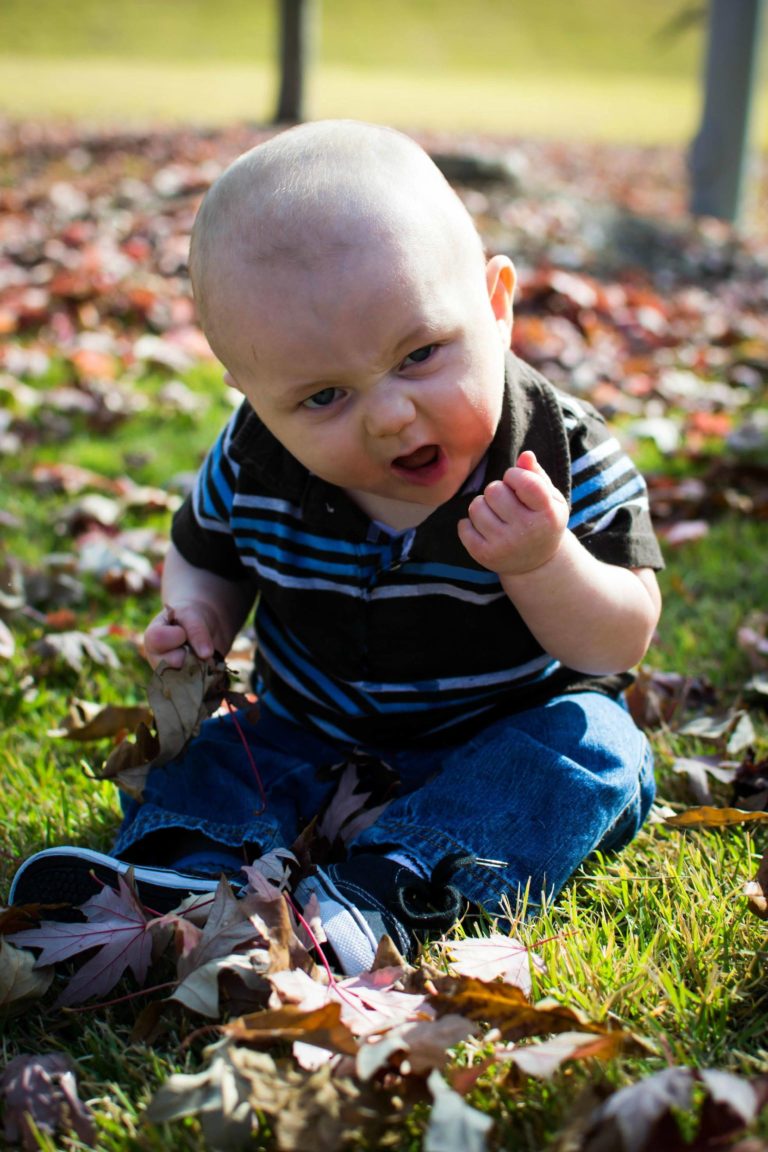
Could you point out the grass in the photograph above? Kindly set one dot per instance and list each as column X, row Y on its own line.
column 657, row 939
column 589, row 69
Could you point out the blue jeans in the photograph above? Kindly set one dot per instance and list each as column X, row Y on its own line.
column 538, row 791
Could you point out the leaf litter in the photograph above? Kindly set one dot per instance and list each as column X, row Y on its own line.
column 661, row 324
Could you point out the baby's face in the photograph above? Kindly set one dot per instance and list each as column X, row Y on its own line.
column 380, row 370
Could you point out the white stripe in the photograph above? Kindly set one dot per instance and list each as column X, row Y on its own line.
column 358, row 593
column 595, row 455
column 507, row 675
column 610, row 515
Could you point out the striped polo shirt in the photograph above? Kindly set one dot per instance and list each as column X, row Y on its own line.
column 379, row 639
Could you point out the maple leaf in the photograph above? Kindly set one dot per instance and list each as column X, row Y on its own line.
column 231, row 923
column 493, row 956
column 116, row 924
column 40, row 1094
column 371, row 1002
column 346, row 815
column 271, row 874
column 506, row 1007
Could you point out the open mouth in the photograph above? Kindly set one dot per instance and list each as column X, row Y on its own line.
column 422, row 457
column 424, row 464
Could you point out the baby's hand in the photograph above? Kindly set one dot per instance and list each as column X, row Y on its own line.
column 517, row 523
column 175, row 629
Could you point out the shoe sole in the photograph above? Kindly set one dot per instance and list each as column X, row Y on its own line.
column 73, row 875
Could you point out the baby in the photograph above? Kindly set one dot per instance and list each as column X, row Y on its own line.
column 452, row 564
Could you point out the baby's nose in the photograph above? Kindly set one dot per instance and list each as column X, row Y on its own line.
column 389, row 410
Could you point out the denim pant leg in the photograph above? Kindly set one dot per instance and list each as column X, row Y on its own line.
column 212, row 788
column 538, row 791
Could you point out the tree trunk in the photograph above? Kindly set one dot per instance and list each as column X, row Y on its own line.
column 294, row 49
column 718, row 159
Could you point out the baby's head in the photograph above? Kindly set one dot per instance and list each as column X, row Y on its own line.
column 343, row 285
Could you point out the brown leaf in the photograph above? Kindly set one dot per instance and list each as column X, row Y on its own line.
column 756, row 890
column 219, row 1095
column 321, row 1026
column 180, row 699
column 87, row 720
column 507, row 1008
column 128, row 765
column 20, row 979
column 709, row 817
column 544, row 1058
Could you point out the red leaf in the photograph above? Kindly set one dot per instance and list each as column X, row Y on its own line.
column 117, row 926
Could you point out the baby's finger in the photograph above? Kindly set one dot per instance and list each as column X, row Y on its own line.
column 483, row 517
column 195, row 632
column 532, row 489
column 502, row 501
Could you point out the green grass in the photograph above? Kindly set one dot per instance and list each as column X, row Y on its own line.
column 589, row 69
column 657, row 940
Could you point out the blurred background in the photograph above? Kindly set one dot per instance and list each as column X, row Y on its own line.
column 603, row 70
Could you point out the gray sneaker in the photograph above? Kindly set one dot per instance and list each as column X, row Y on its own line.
column 72, row 875
column 369, row 896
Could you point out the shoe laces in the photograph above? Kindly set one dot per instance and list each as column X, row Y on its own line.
column 434, row 901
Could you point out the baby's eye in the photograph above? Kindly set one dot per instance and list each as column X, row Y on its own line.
column 419, row 355
column 322, row 398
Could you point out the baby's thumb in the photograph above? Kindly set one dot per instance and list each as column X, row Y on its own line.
column 528, row 461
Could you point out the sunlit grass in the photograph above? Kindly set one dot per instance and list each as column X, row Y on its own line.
column 599, row 106
column 657, row 940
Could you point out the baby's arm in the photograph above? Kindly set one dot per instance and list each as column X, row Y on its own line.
column 592, row 616
column 202, row 610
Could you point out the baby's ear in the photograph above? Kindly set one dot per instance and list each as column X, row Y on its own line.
column 230, row 381
column 500, row 279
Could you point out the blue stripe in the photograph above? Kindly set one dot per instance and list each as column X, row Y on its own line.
column 299, row 560
column 601, row 480
column 450, row 571
column 282, row 531
column 615, row 499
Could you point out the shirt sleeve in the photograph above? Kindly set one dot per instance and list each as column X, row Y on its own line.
column 202, row 527
column 610, row 512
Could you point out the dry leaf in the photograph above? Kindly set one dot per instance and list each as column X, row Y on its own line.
column 709, row 817
column 180, row 699
column 320, row 1026
column 506, row 1007
column 493, row 957
column 74, row 648
column 117, row 926
column 454, row 1126
column 42, row 1090
column 756, row 890
column 88, row 720
column 20, row 979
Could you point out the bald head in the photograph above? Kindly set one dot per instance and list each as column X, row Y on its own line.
column 316, row 191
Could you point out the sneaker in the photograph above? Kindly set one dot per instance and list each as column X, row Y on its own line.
column 73, row 875
column 369, row 896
